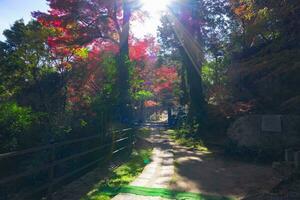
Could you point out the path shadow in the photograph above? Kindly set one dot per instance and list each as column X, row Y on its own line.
column 212, row 174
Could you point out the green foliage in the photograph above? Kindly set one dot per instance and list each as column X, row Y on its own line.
column 215, row 80
column 142, row 95
column 29, row 76
column 109, row 65
column 262, row 22
column 83, row 123
column 208, row 73
column 23, row 55
column 15, row 123
column 82, row 52
column 137, row 89
column 15, row 118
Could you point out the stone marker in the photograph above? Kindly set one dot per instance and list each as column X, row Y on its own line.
column 271, row 123
column 289, row 156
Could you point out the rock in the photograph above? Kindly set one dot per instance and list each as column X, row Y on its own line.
column 266, row 131
column 245, row 131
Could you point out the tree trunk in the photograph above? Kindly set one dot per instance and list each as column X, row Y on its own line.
column 123, row 67
column 170, row 118
column 184, row 96
column 197, row 109
column 192, row 57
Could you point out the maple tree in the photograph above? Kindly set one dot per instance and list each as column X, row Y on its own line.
column 93, row 24
column 266, row 21
column 78, row 64
column 96, row 75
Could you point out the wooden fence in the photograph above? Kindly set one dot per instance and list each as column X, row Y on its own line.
column 101, row 153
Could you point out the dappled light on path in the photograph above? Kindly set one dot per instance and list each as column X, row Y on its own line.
column 157, row 178
column 179, row 168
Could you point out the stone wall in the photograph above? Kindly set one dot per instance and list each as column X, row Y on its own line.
column 266, row 131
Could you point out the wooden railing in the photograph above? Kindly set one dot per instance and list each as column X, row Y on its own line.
column 121, row 141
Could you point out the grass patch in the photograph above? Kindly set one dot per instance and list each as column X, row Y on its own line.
column 181, row 137
column 120, row 176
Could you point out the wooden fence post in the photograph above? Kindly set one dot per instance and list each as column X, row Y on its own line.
column 51, row 172
column 131, row 140
column 102, row 128
column 297, row 159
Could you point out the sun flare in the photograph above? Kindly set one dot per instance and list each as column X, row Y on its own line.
column 155, row 9
column 155, row 5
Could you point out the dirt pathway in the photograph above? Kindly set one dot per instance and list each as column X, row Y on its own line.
column 180, row 169
column 211, row 174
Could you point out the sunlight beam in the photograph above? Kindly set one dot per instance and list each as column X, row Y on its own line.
column 155, row 5
column 189, row 43
column 154, row 9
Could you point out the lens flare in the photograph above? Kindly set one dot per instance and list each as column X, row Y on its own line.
column 155, row 5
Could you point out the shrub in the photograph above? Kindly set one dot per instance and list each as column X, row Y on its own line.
column 15, row 123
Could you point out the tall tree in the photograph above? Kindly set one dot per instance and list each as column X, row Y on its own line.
column 261, row 22
column 92, row 22
column 25, row 63
column 191, row 28
column 31, row 86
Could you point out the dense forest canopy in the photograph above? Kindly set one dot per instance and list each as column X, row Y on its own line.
column 80, row 62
